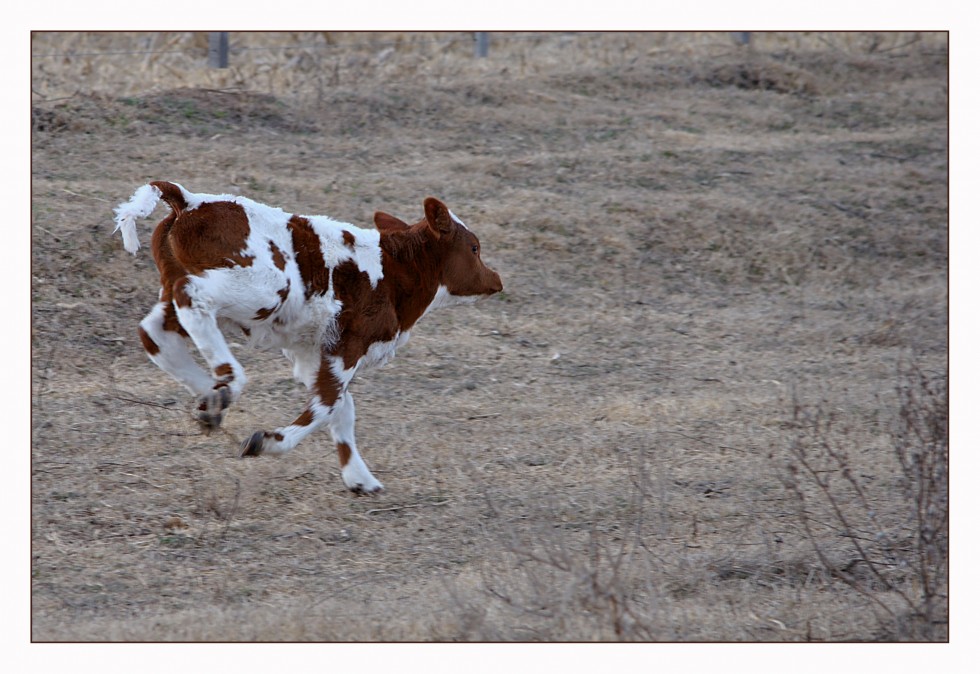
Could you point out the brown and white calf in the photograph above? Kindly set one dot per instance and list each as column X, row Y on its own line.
column 335, row 298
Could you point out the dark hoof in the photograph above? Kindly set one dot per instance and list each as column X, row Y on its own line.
column 209, row 422
column 212, row 407
column 252, row 446
column 359, row 490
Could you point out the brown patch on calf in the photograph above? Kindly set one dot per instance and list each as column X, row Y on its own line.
column 368, row 314
column 181, row 298
column 327, row 388
column 412, row 259
column 223, row 375
column 278, row 258
column 349, row 239
column 170, row 321
column 309, row 257
column 343, row 451
column 172, row 195
column 211, row 236
column 304, row 419
column 263, row 314
column 149, row 345
column 170, row 269
column 326, row 385
column 188, row 242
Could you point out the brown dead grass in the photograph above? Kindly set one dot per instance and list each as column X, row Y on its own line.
column 691, row 237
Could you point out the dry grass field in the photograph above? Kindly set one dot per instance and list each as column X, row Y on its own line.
column 709, row 406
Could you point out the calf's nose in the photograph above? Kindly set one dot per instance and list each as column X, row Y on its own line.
column 495, row 284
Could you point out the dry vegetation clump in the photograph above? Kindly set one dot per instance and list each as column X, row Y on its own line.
column 715, row 258
column 897, row 558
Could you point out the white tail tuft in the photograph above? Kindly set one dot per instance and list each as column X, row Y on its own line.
column 140, row 205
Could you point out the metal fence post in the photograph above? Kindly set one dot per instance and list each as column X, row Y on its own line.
column 482, row 44
column 218, row 49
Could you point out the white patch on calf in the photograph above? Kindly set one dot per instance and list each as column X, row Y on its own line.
column 365, row 253
column 377, row 355
column 444, row 298
column 194, row 200
column 458, row 221
column 306, row 363
column 380, row 353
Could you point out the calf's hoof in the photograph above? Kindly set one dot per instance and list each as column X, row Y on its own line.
column 211, row 408
column 361, row 482
column 362, row 490
column 358, row 478
column 252, row 446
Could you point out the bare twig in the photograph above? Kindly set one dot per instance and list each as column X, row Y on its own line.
column 144, row 402
column 406, row 506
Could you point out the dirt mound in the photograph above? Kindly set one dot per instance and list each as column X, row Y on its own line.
column 200, row 112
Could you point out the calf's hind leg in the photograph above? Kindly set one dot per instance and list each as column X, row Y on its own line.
column 167, row 343
column 228, row 378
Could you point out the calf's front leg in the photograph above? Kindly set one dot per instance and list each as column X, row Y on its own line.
column 355, row 472
column 330, row 404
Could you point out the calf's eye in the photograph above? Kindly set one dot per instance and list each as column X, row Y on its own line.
column 476, row 249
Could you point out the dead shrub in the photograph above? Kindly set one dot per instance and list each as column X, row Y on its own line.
column 892, row 551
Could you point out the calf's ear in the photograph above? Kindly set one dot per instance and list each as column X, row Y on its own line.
column 437, row 215
column 388, row 223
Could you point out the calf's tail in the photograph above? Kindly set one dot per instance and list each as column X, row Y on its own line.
column 141, row 204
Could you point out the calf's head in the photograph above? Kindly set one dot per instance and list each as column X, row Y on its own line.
column 459, row 272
